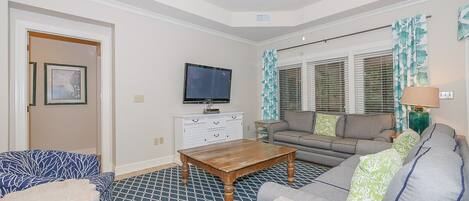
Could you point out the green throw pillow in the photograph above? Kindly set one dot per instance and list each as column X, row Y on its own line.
column 325, row 124
column 405, row 142
column 373, row 174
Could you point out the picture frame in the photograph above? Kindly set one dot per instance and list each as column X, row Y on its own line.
column 32, row 83
column 65, row 84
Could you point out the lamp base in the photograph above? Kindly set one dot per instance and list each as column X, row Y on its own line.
column 419, row 120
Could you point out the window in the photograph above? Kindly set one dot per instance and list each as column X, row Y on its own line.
column 374, row 81
column 329, row 84
column 290, row 88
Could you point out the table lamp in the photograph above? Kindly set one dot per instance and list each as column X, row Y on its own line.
column 420, row 98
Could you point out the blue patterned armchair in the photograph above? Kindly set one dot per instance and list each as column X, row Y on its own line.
column 24, row 169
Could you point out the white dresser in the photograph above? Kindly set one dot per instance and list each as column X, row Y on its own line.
column 195, row 130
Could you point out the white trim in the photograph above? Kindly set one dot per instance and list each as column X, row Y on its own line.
column 365, row 15
column 467, row 88
column 19, row 74
column 290, row 65
column 142, row 165
column 351, row 83
column 150, row 14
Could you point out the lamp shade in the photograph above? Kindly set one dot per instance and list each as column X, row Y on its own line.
column 421, row 96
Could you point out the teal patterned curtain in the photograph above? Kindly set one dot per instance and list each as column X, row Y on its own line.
column 270, row 86
column 463, row 22
column 409, row 60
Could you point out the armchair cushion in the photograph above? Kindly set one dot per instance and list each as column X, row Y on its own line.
column 22, row 170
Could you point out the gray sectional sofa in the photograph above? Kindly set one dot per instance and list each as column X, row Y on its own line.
column 355, row 134
column 434, row 170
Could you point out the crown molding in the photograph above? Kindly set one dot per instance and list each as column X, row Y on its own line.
column 368, row 14
column 154, row 15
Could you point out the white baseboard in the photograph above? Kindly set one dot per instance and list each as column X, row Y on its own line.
column 142, row 165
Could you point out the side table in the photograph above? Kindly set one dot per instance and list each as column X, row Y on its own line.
column 261, row 129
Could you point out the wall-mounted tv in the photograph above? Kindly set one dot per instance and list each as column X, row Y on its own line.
column 205, row 84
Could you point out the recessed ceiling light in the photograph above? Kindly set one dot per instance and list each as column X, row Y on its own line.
column 303, row 38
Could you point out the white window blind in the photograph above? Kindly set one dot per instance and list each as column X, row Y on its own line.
column 290, row 88
column 374, row 82
column 329, row 84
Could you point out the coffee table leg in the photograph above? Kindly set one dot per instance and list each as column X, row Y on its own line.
column 229, row 190
column 291, row 168
column 185, row 169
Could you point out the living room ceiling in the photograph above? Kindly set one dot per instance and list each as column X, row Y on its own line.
column 257, row 20
column 261, row 5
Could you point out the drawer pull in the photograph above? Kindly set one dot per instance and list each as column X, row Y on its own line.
column 195, row 120
column 234, row 117
column 216, row 135
column 216, row 122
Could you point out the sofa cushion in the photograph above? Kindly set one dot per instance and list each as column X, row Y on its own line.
column 289, row 136
column 367, row 127
column 351, row 162
column 300, row 120
column 373, row 175
column 346, row 145
column 326, row 124
column 340, row 127
column 435, row 174
column 317, row 141
column 330, row 192
column 339, row 176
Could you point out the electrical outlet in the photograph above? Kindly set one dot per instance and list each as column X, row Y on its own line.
column 161, row 140
column 446, row 95
column 156, row 141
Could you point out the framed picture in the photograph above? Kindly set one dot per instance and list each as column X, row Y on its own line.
column 32, row 83
column 65, row 84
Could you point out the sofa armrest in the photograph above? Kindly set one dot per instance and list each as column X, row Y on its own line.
column 385, row 136
column 275, row 127
column 365, row 147
column 270, row 191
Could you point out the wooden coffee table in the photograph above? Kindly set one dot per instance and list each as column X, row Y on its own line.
column 234, row 159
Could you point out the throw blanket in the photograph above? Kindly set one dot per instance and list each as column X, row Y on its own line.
column 68, row 190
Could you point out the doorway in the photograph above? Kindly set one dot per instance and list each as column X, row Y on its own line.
column 64, row 77
column 22, row 22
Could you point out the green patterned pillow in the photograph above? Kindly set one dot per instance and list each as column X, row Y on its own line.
column 405, row 142
column 373, row 174
column 325, row 124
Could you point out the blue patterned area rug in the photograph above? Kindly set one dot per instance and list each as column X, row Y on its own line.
column 166, row 185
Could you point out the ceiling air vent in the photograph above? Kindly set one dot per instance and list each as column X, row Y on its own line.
column 263, row 17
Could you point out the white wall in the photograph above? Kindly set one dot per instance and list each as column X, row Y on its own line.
column 446, row 54
column 149, row 59
column 64, row 127
column 4, row 76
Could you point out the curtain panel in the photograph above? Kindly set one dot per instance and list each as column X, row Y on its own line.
column 463, row 22
column 409, row 60
column 270, row 96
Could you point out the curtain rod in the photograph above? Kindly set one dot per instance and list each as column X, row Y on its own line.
column 337, row 37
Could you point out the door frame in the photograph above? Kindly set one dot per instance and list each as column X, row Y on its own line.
column 19, row 91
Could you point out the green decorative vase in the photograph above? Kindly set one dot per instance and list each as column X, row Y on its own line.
column 419, row 120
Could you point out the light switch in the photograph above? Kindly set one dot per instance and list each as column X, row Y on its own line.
column 446, row 95
column 139, row 98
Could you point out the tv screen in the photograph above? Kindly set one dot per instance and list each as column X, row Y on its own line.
column 205, row 83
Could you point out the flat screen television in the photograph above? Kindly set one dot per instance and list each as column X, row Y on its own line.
column 205, row 84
